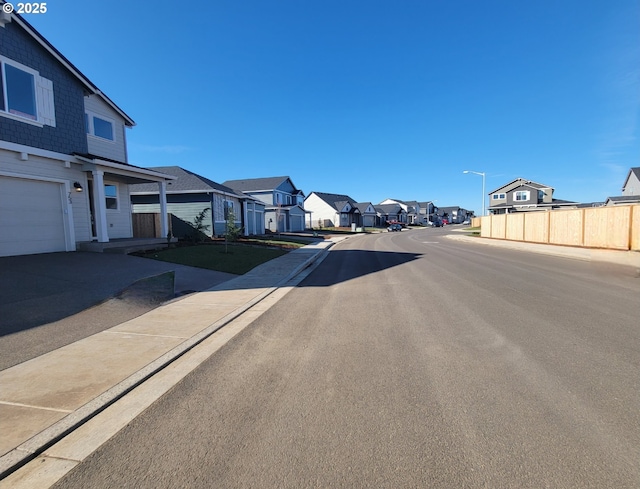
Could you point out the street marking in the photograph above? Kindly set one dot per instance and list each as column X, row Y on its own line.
column 430, row 242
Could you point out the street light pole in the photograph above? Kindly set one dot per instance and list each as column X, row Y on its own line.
column 483, row 182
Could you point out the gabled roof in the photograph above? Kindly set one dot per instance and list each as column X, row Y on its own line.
column 518, row 182
column 185, row 182
column 88, row 84
column 258, row 184
column 389, row 208
column 337, row 201
column 636, row 172
column 362, row 206
column 624, row 199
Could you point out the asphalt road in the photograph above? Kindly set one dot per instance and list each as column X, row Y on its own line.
column 408, row 360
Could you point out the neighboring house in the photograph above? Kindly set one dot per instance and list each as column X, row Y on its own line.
column 427, row 210
column 411, row 207
column 630, row 190
column 455, row 214
column 368, row 214
column 390, row 213
column 189, row 194
column 524, row 195
column 64, row 173
column 332, row 210
column 284, row 203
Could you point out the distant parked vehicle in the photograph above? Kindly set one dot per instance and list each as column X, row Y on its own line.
column 445, row 221
column 466, row 222
column 436, row 223
column 394, row 227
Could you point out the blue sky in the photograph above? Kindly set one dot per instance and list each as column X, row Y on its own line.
column 373, row 99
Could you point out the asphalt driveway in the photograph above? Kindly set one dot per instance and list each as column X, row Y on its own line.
column 52, row 299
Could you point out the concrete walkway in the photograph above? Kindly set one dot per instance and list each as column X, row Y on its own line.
column 44, row 399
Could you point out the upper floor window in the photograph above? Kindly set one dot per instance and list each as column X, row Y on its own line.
column 99, row 126
column 499, row 196
column 521, row 195
column 24, row 94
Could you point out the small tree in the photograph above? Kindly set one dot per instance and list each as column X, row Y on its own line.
column 231, row 231
column 199, row 228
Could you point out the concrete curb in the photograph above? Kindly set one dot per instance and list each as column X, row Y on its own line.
column 619, row 257
column 36, row 445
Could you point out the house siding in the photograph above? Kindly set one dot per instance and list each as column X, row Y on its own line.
column 119, row 223
column 321, row 211
column 68, row 135
column 633, row 186
column 114, row 150
column 185, row 212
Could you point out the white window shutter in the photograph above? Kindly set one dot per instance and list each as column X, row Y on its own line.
column 46, row 107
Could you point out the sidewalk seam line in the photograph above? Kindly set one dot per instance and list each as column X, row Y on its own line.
column 18, row 404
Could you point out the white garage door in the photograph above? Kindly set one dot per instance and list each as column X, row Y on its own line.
column 31, row 217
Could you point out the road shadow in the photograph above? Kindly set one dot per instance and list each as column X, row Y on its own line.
column 344, row 265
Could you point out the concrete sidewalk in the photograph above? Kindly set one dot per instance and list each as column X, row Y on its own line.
column 618, row 257
column 44, row 399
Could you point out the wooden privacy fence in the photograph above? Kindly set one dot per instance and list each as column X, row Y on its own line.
column 147, row 225
column 614, row 227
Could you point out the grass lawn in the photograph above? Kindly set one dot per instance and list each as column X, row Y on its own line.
column 239, row 259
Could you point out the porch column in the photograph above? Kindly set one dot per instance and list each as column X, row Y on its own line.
column 246, row 217
column 100, row 206
column 164, row 218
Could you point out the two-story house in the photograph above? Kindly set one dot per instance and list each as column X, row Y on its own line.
column 411, row 207
column 454, row 214
column 524, row 195
column 630, row 189
column 64, row 172
column 284, row 203
column 190, row 194
column 427, row 211
column 390, row 213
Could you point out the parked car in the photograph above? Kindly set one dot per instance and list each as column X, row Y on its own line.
column 445, row 221
column 466, row 222
column 436, row 223
column 394, row 227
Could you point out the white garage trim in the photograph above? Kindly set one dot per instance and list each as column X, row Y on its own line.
column 65, row 202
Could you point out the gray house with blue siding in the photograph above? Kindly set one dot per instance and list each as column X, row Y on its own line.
column 284, row 203
column 189, row 194
column 64, row 174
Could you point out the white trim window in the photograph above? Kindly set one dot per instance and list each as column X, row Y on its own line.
column 111, row 196
column 521, row 195
column 25, row 95
column 228, row 208
column 99, row 126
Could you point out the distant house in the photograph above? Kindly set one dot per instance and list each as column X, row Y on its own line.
column 454, row 214
column 522, row 195
column 390, row 213
column 332, row 210
column 284, row 203
column 368, row 214
column 630, row 190
column 190, row 194
column 64, row 169
column 411, row 207
column 427, row 210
